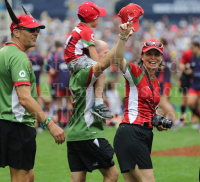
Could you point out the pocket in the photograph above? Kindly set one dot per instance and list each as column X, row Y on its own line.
column 104, row 144
column 96, row 142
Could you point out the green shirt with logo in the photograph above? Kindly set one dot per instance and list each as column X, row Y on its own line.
column 15, row 70
column 83, row 124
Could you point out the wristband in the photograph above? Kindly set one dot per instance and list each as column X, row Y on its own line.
column 122, row 37
column 46, row 122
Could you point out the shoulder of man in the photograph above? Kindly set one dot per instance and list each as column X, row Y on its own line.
column 17, row 55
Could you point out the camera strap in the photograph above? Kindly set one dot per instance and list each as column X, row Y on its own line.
column 150, row 85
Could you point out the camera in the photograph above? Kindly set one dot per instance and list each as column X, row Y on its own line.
column 158, row 120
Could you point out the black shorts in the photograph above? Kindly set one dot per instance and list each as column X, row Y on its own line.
column 17, row 145
column 88, row 155
column 184, row 88
column 132, row 145
column 185, row 83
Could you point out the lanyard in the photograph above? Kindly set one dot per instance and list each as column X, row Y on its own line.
column 150, row 85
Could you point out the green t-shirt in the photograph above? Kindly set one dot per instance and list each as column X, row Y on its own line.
column 15, row 70
column 83, row 124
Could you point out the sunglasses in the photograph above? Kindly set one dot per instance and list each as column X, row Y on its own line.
column 31, row 30
column 157, row 44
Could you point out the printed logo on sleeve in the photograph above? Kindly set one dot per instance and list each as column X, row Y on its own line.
column 22, row 73
column 92, row 37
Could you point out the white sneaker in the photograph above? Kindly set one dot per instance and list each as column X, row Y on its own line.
column 177, row 125
column 39, row 130
column 196, row 126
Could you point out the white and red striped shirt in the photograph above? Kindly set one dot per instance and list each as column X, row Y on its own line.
column 139, row 101
column 79, row 39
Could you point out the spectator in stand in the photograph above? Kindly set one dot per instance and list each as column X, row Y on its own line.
column 185, row 79
column 50, row 108
column 38, row 68
column 114, row 102
column 60, row 81
column 194, row 69
column 163, row 76
column 49, row 56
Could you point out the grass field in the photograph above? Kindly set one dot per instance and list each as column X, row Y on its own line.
column 51, row 163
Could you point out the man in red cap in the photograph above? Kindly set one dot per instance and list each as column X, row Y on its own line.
column 19, row 107
column 131, row 13
column 81, row 39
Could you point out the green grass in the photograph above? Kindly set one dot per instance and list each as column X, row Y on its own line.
column 51, row 163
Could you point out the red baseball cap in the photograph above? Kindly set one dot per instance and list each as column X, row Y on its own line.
column 90, row 11
column 152, row 44
column 131, row 13
column 26, row 21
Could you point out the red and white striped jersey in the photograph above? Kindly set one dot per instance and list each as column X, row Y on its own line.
column 79, row 39
column 139, row 101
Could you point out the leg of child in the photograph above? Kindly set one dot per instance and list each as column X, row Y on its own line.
column 99, row 107
column 99, row 86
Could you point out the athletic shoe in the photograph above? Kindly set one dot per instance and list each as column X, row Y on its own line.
column 101, row 111
column 177, row 125
column 39, row 130
column 196, row 126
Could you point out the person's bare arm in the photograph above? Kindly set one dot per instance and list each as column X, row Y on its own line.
column 105, row 62
column 93, row 53
column 119, row 56
column 126, row 30
column 29, row 103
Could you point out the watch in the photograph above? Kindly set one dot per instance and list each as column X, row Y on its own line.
column 46, row 122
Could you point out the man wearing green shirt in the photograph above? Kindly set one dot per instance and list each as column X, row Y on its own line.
column 87, row 148
column 18, row 107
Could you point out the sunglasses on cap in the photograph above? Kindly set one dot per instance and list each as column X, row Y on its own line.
column 30, row 30
column 157, row 44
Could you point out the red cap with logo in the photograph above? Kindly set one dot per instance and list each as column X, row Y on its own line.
column 90, row 11
column 152, row 44
column 26, row 21
column 131, row 13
